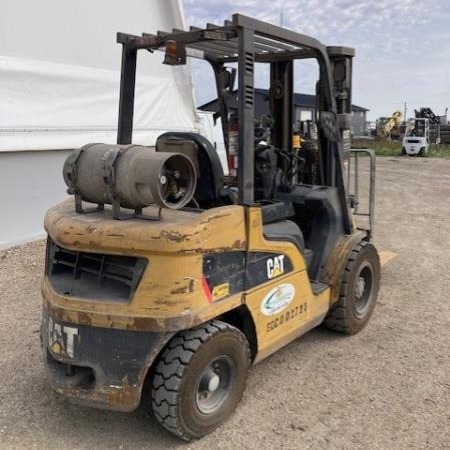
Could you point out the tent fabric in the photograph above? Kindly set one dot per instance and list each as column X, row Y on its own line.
column 60, row 73
column 59, row 90
column 48, row 105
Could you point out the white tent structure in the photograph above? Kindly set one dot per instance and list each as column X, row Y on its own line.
column 59, row 89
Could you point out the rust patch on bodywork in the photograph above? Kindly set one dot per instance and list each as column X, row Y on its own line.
column 214, row 217
column 178, row 231
column 173, row 236
column 106, row 368
column 116, row 398
column 186, row 288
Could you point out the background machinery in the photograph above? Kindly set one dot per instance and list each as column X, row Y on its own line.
column 169, row 279
column 417, row 137
column 424, row 129
column 389, row 127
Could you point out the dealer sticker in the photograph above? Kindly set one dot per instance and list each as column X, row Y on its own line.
column 277, row 299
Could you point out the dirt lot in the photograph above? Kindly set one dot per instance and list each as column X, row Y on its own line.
column 386, row 388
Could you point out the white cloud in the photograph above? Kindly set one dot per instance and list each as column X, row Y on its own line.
column 402, row 46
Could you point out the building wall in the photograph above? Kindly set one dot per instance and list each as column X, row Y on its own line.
column 302, row 113
column 60, row 88
column 30, row 183
column 359, row 119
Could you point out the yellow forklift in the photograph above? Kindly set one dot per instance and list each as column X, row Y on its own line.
column 167, row 277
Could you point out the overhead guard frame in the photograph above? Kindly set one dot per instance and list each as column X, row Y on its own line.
column 259, row 42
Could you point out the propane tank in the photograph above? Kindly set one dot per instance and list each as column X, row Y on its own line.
column 132, row 176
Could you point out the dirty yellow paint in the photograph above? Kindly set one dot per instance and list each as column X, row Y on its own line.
column 170, row 295
column 277, row 329
column 170, row 292
column 56, row 348
column 386, row 256
column 335, row 265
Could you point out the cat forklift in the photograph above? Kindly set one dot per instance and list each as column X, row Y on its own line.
column 165, row 278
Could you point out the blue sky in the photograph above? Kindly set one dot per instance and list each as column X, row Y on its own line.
column 402, row 46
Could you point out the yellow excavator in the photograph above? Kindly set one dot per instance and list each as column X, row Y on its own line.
column 390, row 127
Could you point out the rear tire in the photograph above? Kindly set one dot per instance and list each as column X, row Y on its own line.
column 199, row 379
column 403, row 153
column 359, row 291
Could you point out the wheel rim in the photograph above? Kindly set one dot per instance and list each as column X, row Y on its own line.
column 363, row 289
column 214, row 384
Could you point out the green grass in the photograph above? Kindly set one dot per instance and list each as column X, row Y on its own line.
column 383, row 148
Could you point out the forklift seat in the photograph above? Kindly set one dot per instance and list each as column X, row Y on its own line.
column 210, row 181
column 289, row 231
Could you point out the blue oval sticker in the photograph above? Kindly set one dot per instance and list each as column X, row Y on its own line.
column 277, row 299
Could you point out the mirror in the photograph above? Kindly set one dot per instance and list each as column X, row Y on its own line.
column 175, row 53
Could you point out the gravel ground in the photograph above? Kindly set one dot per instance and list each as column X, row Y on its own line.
column 386, row 388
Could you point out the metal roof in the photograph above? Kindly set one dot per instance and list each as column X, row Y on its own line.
column 305, row 100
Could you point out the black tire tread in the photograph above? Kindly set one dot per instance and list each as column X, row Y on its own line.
column 169, row 370
column 336, row 318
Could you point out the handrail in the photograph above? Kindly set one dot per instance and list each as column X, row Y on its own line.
column 355, row 196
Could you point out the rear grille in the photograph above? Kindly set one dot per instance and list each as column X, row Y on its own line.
column 93, row 275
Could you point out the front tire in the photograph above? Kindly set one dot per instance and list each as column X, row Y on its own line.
column 359, row 291
column 199, row 379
